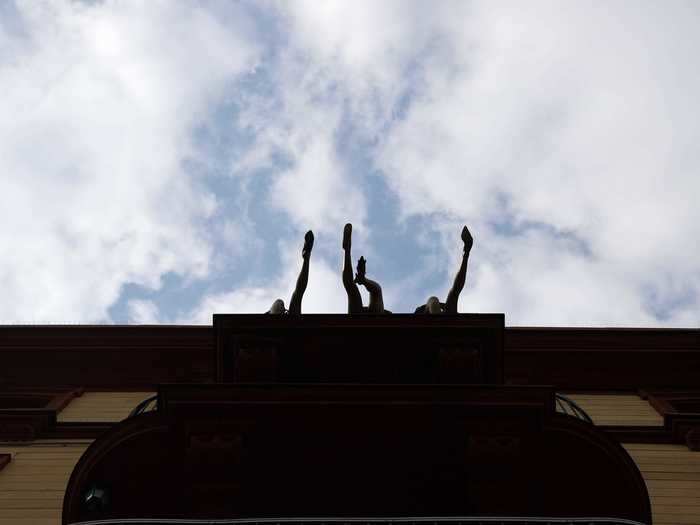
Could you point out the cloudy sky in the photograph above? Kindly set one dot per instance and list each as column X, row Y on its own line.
column 161, row 160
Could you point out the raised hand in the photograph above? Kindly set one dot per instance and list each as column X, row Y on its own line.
column 361, row 270
column 468, row 239
column 347, row 236
column 308, row 244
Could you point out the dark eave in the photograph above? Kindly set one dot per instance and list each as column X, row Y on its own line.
column 140, row 357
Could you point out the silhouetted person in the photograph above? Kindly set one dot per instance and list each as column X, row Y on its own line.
column 376, row 302
column 433, row 304
column 295, row 303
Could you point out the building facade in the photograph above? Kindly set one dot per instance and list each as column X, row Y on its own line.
column 383, row 416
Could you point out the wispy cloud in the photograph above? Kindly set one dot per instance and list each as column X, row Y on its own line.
column 563, row 135
column 98, row 105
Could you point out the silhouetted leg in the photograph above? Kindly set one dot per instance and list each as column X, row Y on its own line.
column 460, row 278
column 303, row 279
column 376, row 302
column 354, row 297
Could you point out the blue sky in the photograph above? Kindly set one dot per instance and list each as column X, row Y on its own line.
column 161, row 161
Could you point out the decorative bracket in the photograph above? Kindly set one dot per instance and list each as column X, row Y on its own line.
column 28, row 413
column 680, row 409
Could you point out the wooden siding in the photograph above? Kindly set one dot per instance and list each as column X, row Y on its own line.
column 101, row 406
column 626, row 410
column 33, row 484
column 672, row 475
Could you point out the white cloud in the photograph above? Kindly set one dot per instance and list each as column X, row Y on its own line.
column 564, row 135
column 143, row 312
column 324, row 293
column 577, row 119
column 573, row 125
column 593, row 136
column 362, row 49
column 98, row 106
column 317, row 192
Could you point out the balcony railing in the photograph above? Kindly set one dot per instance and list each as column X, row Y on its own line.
column 479, row 520
column 564, row 405
column 569, row 407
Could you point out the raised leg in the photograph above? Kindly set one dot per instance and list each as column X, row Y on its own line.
column 354, row 297
column 376, row 301
column 460, row 278
column 303, row 279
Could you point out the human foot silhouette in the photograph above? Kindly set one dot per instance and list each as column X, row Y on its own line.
column 467, row 238
column 347, row 236
column 308, row 244
column 361, row 270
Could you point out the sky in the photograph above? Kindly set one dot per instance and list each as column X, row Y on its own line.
column 161, row 160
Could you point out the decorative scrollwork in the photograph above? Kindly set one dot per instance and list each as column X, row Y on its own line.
column 567, row 406
column 145, row 406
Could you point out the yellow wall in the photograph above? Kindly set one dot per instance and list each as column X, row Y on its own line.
column 618, row 410
column 33, row 484
column 102, row 406
column 672, row 475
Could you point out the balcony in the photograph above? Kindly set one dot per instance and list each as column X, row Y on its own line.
column 256, row 451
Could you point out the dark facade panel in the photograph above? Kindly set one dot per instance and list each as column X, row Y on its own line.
column 603, row 358
column 141, row 357
column 106, row 357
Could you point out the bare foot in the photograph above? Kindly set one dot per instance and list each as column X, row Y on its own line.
column 361, row 270
column 467, row 238
column 308, row 244
column 347, row 236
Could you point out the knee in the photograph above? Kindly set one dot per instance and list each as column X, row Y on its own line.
column 277, row 307
column 432, row 305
